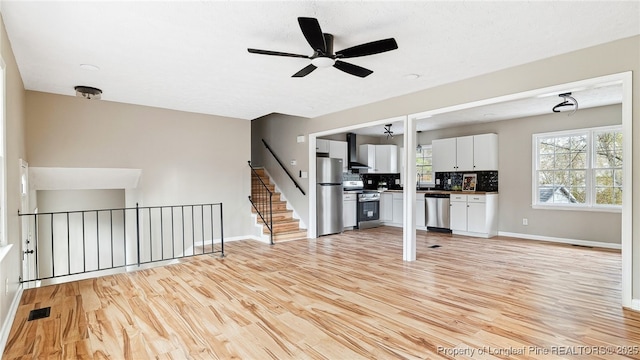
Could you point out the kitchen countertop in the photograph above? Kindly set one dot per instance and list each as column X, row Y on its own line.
column 446, row 192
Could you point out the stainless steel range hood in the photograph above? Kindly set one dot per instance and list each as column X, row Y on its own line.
column 352, row 153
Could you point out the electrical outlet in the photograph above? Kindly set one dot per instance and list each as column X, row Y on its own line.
column 525, row 221
column 448, row 181
column 294, row 163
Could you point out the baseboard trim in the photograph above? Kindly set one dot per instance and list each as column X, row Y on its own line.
column 246, row 237
column 562, row 240
column 8, row 322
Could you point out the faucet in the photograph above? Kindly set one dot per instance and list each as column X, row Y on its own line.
column 418, row 177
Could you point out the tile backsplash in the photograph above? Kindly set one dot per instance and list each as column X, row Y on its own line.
column 372, row 180
column 347, row 176
column 487, row 180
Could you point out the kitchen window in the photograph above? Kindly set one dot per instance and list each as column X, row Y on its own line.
column 424, row 166
column 578, row 169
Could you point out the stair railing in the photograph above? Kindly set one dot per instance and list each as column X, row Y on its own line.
column 77, row 242
column 262, row 200
column 283, row 168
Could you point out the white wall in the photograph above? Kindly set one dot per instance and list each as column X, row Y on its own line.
column 78, row 248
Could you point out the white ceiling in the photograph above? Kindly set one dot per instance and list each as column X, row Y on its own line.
column 594, row 96
column 192, row 55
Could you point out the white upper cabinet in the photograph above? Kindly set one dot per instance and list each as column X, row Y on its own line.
column 380, row 158
column 466, row 153
column 338, row 149
column 367, row 156
column 387, row 158
column 485, row 152
column 322, row 146
column 444, row 155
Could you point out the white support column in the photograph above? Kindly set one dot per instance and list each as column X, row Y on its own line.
column 409, row 202
column 312, row 231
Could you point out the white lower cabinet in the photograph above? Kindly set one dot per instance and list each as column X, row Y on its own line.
column 420, row 213
column 349, row 210
column 398, row 211
column 386, row 207
column 392, row 210
column 474, row 215
column 458, row 213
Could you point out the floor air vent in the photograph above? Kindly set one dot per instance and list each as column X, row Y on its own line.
column 39, row 313
column 434, row 246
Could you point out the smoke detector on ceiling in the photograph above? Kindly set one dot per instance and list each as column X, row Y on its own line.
column 88, row 92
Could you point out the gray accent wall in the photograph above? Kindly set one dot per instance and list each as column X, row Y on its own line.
column 15, row 149
column 185, row 158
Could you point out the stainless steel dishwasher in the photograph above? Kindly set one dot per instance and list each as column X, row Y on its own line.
column 436, row 212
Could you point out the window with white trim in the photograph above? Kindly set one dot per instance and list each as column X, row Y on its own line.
column 424, row 166
column 579, row 169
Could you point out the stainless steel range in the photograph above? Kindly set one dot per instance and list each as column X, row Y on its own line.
column 368, row 209
column 368, row 204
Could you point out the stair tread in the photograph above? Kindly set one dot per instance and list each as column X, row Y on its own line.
column 285, row 226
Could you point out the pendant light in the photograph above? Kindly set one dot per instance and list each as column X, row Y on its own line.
column 568, row 100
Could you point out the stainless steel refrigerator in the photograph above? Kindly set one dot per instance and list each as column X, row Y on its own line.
column 329, row 195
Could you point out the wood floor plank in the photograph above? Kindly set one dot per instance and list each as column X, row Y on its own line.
column 347, row 296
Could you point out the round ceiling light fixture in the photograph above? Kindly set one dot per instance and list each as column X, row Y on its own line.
column 88, row 92
column 89, row 67
column 323, row 61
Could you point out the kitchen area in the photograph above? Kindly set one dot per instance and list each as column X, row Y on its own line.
column 458, row 195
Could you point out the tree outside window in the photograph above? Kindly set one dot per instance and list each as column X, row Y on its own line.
column 608, row 167
column 424, row 166
column 581, row 168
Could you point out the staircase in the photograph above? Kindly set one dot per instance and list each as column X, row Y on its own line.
column 285, row 227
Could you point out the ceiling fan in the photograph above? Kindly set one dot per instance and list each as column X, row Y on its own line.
column 387, row 130
column 323, row 55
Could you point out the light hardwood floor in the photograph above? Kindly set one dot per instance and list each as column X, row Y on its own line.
column 346, row 296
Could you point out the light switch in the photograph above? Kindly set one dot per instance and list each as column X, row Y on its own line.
column 303, row 174
column 294, row 163
column 300, row 139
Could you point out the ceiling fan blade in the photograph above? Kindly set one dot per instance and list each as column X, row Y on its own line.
column 277, row 53
column 374, row 47
column 313, row 33
column 352, row 69
column 305, row 71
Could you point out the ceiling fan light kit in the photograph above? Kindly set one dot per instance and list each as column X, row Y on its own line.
column 88, row 92
column 323, row 62
column 323, row 55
